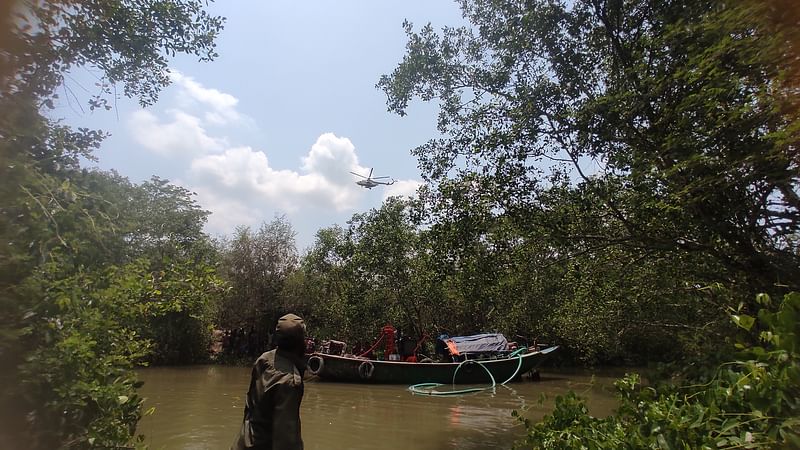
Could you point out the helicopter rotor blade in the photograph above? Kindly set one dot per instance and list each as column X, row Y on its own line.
column 370, row 172
column 358, row 175
column 379, row 178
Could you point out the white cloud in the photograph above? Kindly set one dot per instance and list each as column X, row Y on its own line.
column 226, row 213
column 182, row 131
column 240, row 186
column 183, row 135
column 402, row 188
column 334, row 158
column 223, row 105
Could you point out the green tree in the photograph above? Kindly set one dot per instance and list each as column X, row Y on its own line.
column 745, row 402
column 165, row 222
column 78, row 385
column 128, row 42
column 52, row 220
column 376, row 270
column 257, row 265
column 179, row 307
column 384, row 245
column 675, row 115
column 638, row 152
column 327, row 280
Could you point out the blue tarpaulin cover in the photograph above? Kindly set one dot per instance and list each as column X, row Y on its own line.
column 478, row 343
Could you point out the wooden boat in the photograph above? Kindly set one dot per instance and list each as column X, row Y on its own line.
column 473, row 371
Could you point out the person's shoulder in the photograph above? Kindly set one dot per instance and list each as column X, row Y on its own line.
column 287, row 364
column 267, row 359
column 270, row 355
column 277, row 360
column 278, row 364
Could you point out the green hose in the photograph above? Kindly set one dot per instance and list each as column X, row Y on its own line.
column 518, row 351
column 430, row 388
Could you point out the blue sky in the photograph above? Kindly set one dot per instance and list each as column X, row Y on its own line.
column 275, row 124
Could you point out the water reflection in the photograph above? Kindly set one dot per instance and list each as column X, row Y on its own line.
column 199, row 408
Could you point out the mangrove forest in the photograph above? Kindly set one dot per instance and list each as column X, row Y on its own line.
column 617, row 177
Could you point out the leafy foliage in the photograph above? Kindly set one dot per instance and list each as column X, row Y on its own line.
column 670, row 121
column 128, row 42
column 80, row 382
column 369, row 274
column 71, row 286
column 256, row 265
column 749, row 402
column 477, row 273
column 179, row 305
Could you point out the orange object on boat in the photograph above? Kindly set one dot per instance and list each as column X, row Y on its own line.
column 388, row 331
column 452, row 347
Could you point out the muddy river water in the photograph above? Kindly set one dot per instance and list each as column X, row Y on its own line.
column 200, row 407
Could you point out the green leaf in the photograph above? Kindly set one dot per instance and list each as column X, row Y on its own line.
column 743, row 321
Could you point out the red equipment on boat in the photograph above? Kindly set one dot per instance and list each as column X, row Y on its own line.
column 388, row 332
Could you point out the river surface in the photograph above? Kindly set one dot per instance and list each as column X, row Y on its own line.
column 200, row 407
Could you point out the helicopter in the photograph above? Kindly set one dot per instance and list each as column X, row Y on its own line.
column 369, row 182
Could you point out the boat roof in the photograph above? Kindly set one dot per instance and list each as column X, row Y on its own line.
column 477, row 343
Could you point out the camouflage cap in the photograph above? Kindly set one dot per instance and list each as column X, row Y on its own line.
column 291, row 326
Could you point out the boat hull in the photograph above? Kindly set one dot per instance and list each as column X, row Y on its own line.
column 356, row 370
